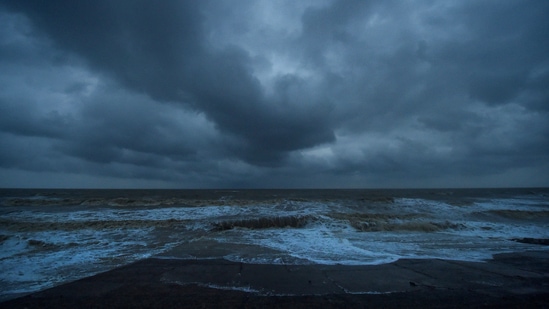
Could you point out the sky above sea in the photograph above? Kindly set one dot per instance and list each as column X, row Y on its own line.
column 274, row 94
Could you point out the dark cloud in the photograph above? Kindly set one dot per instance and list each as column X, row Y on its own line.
column 320, row 93
column 158, row 48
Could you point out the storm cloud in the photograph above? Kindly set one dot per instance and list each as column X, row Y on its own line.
column 274, row 94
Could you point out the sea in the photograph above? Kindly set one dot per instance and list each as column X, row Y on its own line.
column 50, row 237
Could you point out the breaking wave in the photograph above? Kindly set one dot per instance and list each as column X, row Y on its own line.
column 376, row 222
column 264, row 223
column 519, row 214
column 405, row 226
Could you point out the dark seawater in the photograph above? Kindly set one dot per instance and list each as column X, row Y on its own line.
column 48, row 237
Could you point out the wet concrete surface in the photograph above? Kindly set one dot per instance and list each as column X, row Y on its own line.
column 518, row 279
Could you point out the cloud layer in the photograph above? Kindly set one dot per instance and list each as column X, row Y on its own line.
column 258, row 94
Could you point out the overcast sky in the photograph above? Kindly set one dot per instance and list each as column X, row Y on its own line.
column 274, row 93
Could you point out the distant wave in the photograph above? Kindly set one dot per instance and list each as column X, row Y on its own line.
column 141, row 202
column 519, row 214
column 36, row 226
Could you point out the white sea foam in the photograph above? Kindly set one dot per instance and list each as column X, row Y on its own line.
column 246, row 289
column 318, row 244
column 207, row 213
column 60, row 256
column 11, row 246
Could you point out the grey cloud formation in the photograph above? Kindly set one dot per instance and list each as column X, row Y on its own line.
column 257, row 94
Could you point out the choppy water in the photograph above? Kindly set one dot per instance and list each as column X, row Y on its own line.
column 49, row 237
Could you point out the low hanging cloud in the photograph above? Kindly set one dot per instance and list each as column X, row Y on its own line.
column 253, row 94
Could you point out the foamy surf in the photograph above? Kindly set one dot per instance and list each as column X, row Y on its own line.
column 54, row 236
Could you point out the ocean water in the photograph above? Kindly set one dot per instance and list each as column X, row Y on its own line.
column 48, row 237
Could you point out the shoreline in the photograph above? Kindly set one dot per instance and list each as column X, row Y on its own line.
column 509, row 279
